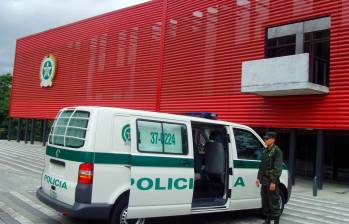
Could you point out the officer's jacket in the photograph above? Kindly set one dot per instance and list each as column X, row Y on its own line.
column 271, row 166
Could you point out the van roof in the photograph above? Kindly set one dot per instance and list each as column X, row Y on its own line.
column 155, row 114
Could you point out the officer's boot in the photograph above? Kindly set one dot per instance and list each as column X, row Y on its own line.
column 275, row 220
column 267, row 220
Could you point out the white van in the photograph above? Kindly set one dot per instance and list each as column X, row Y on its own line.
column 128, row 165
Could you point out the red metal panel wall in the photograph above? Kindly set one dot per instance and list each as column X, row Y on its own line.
column 206, row 42
column 117, row 59
column 109, row 60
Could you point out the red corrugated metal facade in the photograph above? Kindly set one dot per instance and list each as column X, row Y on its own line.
column 127, row 58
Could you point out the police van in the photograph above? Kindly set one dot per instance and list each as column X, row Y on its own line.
column 127, row 165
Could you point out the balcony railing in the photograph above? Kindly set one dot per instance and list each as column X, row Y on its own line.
column 318, row 71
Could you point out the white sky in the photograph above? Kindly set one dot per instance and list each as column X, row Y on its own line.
column 19, row 18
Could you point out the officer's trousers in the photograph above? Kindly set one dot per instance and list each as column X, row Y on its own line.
column 270, row 202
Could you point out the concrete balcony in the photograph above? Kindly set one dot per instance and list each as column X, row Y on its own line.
column 280, row 76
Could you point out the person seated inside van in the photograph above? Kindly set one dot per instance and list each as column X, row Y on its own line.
column 199, row 142
column 216, row 136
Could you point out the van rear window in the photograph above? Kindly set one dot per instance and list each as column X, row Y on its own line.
column 69, row 129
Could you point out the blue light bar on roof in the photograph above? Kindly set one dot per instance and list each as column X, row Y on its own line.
column 207, row 115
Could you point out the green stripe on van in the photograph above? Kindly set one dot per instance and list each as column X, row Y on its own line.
column 77, row 156
column 248, row 164
column 127, row 159
column 162, row 161
column 118, row 158
column 112, row 158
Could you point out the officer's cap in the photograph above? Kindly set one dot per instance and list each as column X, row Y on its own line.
column 270, row 134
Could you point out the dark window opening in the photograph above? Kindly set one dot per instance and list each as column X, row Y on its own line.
column 317, row 44
column 281, row 46
column 311, row 37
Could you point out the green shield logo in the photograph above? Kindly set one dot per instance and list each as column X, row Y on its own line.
column 126, row 133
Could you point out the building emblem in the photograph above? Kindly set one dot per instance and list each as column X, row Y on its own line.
column 47, row 70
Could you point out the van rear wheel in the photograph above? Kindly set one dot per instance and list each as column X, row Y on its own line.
column 119, row 215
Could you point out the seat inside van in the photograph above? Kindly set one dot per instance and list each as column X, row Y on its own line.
column 215, row 161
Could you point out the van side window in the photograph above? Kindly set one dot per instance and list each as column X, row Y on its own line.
column 70, row 129
column 247, row 145
column 162, row 137
column 149, row 136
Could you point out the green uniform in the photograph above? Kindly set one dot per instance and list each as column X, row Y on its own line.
column 269, row 172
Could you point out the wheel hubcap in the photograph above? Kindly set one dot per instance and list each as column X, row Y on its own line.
column 124, row 220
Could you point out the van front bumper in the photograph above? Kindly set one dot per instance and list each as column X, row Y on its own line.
column 78, row 210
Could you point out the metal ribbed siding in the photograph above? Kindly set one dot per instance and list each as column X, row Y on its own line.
column 190, row 84
column 109, row 60
column 201, row 70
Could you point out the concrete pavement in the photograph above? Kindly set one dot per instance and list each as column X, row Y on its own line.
column 21, row 167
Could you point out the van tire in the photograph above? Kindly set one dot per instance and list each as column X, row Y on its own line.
column 119, row 213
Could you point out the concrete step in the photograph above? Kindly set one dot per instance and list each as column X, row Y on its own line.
column 301, row 217
column 329, row 206
column 22, row 161
column 19, row 166
column 22, row 157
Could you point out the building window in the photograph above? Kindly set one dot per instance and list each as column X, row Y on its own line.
column 281, row 46
column 317, row 44
column 312, row 36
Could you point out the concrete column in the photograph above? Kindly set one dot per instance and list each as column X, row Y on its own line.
column 26, row 131
column 292, row 155
column 319, row 157
column 334, row 160
column 9, row 129
column 19, row 128
column 32, row 131
column 42, row 131
column 299, row 42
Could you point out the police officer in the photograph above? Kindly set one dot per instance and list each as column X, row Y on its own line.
column 268, row 176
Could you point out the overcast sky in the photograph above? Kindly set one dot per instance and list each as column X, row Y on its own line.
column 19, row 18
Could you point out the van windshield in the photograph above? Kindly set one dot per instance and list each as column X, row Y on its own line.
column 69, row 129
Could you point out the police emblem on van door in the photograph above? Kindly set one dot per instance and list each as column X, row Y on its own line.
column 126, row 134
column 58, row 152
column 47, row 70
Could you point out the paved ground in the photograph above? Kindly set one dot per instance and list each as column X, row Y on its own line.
column 21, row 167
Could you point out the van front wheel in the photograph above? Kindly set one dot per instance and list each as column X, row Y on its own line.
column 119, row 215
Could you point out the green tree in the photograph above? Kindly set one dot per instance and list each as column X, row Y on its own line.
column 5, row 89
